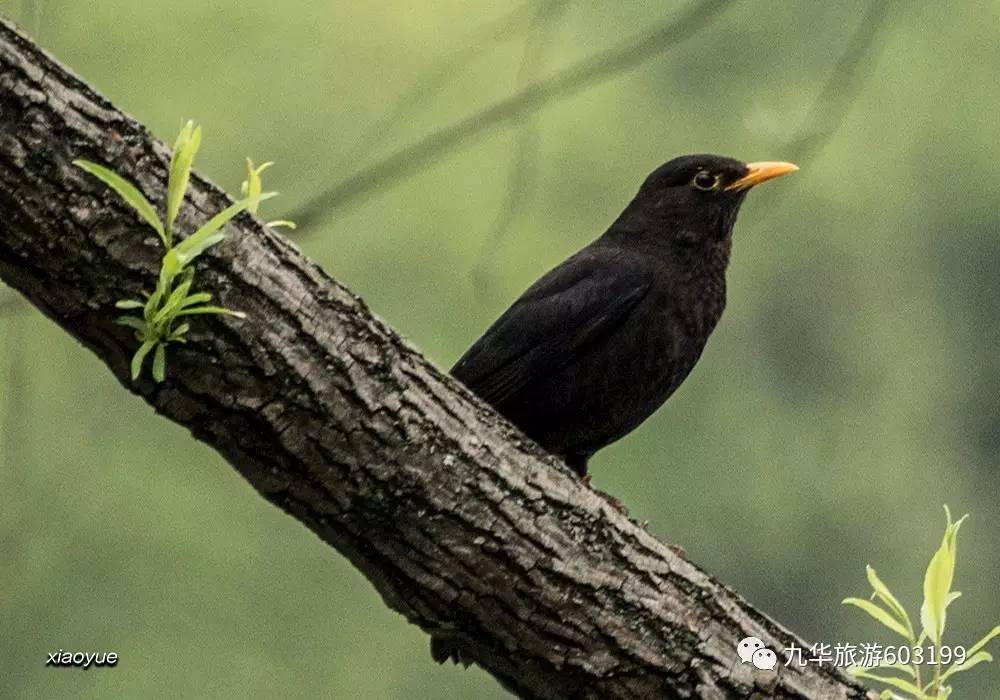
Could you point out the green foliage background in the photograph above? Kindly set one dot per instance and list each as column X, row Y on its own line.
column 851, row 388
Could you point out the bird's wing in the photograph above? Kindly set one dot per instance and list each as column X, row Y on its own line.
column 575, row 304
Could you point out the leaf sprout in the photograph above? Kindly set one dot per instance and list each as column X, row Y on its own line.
column 884, row 607
column 158, row 321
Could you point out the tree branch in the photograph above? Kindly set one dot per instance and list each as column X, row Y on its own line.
column 588, row 71
column 422, row 91
column 462, row 525
column 521, row 178
column 827, row 112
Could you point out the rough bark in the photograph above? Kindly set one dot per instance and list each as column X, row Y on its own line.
column 462, row 525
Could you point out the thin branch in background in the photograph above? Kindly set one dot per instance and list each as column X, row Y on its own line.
column 37, row 18
column 586, row 72
column 10, row 303
column 522, row 173
column 8, row 307
column 15, row 425
column 13, row 402
column 828, row 110
column 30, row 15
column 835, row 100
column 425, row 88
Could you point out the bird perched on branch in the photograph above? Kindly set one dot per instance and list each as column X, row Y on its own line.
column 595, row 346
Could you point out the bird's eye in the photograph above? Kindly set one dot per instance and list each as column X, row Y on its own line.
column 705, row 180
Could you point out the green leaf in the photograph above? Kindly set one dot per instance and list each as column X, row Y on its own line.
column 129, row 304
column 900, row 683
column 937, row 582
column 197, row 240
column 984, row 641
column 128, row 192
column 889, row 695
column 211, row 310
column 252, row 186
column 171, row 265
column 153, row 303
column 199, row 298
column 132, row 322
column 970, row 661
column 173, row 302
column 160, row 363
column 885, row 595
column 905, row 668
column 139, row 356
column 178, row 333
column 212, row 240
column 185, row 147
column 879, row 614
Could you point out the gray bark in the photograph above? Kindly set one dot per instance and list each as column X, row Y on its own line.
column 465, row 527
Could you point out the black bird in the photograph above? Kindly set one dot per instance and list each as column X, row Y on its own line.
column 595, row 346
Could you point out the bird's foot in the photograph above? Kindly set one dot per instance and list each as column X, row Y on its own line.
column 615, row 503
column 678, row 550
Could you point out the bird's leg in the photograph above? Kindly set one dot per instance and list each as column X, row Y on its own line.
column 578, row 463
column 615, row 503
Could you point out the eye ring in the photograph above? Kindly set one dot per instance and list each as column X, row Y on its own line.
column 705, row 181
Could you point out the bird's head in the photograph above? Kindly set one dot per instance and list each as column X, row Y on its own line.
column 696, row 198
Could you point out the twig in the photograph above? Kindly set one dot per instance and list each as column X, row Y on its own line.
column 589, row 71
column 484, row 37
column 10, row 303
column 13, row 410
column 522, row 171
column 828, row 110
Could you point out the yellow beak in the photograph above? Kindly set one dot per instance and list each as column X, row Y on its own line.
column 762, row 172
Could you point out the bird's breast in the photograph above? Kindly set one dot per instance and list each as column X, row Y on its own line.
column 623, row 380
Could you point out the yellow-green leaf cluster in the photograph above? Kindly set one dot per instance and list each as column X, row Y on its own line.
column 885, row 607
column 252, row 187
column 937, row 583
column 173, row 298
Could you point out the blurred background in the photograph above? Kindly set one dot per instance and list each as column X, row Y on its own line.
column 852, row 388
